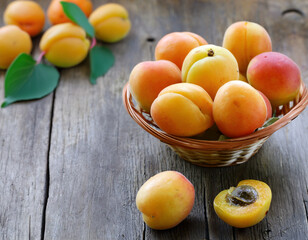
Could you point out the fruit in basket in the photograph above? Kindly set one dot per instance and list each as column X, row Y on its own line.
column 65, row 45
column 176, row 45
column 275, row 75
column 56, row 14
column 13, row 41
column 246, row 40
column 111, row 22
column 183, row 109
column 269, row 109
column 165, row 199
column 210, row 66
column 245, row 205
column 28, row 15
column 238, row 109
column 148, row 78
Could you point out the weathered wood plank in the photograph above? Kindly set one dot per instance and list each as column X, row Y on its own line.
column 24, row 144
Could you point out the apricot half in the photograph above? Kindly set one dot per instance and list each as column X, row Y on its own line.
column 245, row 205
column 183, row 109
column 165, row 199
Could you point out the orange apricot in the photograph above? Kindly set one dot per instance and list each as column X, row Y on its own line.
column 176, row 45
column 245, row 205
column 56, row 14
column 238, row 109
column 13, row 41
column 28, row 15
column 148, row 78
column 246, row 40
column 183, row 109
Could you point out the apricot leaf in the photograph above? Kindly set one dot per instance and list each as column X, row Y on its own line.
column 101, row 60
column 74, row 13
column 269, row 122
column 27, row 80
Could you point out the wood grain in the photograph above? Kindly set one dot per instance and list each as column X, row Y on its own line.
column 71, row 164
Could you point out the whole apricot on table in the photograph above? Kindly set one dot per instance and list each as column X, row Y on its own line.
column 238, row 109
column 245, row 205
column 210, row 67
column 13, row 41
column 246, row 40
column 183, row 109
column 56, row 14
column 176, row 45
column 65, row 45
column 276, row 75
column 111, row 22
column 165, row 199
column 28, row 15
column 148, row 78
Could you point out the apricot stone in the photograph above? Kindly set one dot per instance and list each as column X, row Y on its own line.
column 210, row 67
column 275, row 75
column 238, row 109
column 165, row 200
column 183, row 109
column 245, row 205
column 65, row 45
column 176, row 45
column 13, row 41
column 148, row 78
column 111, row 22
column 246, row 40
column 28, row 15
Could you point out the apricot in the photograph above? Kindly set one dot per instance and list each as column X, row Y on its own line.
column 176, row 45
column 275, row 75
column 183, row 109
column 238, row 109
column 269, row 109
column 28, row 15
column 165, row 199
column 13, row 41
column 111, row 22
column 56, row 14
column 210, row 67
column 148, row 78
column 245, row 205
column 246, row 40
column 65, row 45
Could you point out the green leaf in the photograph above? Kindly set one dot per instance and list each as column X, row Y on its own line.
column 26, row 80
column 74, row 13
column 101, row 60
column 222, row 138
column 269, row 122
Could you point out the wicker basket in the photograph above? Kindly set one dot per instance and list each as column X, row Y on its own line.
column 217, row 153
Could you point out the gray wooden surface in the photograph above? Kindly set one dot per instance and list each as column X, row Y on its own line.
column 72, row 163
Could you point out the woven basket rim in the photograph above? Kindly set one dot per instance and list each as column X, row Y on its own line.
column 233, row 143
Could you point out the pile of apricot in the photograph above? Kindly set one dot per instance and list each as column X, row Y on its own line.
column 193, row 85
column 64, row 43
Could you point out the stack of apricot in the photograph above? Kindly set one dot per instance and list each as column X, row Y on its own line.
column 64, row 43
column 193, row 85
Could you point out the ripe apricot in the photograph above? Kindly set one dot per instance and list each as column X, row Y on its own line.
column 238, row 109
column 275, row 75
column 111, row 22
column 28, row 15
column 210, row 67
column 148, row 78
column 65, row 45
column 246, row 40
column 176, row 45
column 13, row 41
column 268, row 106
column 183, row 109
column 245, row 205
column 56, row 14
column 165, row 199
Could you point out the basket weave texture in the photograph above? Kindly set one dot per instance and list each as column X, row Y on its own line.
column 208, row 153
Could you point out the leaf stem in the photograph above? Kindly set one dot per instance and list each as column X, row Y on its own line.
column 93, row 43
column 39, row 59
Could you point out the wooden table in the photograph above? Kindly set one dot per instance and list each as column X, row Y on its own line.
column 72, row 163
